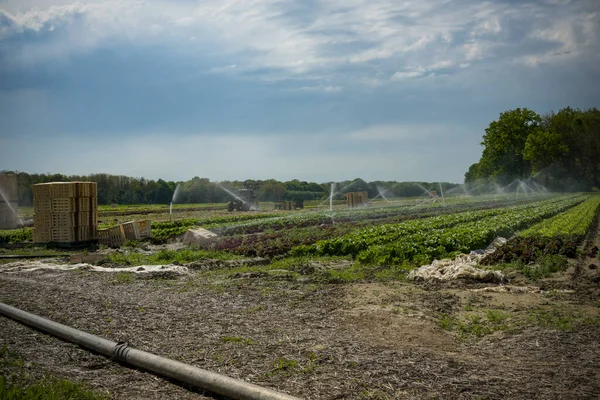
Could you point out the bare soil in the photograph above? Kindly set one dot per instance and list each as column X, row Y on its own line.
column 318, row 341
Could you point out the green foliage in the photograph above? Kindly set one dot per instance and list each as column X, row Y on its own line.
column 114, row 189
column 547, row 243
column 419, row 241
column 504, row 143
column 560, row 149
column 546, row 266
column 16, row 236
column 183, row 256
column 576, row 221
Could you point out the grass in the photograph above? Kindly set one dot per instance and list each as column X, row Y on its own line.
column 543, row 268
column 236, row 339
column 487, row 321
column 17, row 384
column 288, row 366
column 476, row 324
column 561, row 319
column 124, row 278
column 183, row 256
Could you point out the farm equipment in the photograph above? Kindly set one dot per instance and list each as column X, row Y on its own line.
column 289, row 205
column 245, row 202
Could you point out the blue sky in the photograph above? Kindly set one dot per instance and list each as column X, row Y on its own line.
column 315, row 90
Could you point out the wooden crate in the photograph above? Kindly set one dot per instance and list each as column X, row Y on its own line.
column 131, row 230
column 42, row 191
column 144, row 228
column 41, row 235
column 52, row 234
column 65, row 204
column 55, row 205
column 65, row 212
column 64, row 235
column 85, row 233
column 65, row 189
column 66, row 220
column 112, row 237
column 355, row 199
column 86, row 189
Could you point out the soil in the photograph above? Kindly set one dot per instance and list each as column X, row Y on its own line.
column 316, row 340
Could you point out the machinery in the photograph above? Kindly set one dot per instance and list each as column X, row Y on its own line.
column 296, row 204
column 247, row 201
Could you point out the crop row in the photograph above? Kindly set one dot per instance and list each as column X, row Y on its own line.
column 277, row 242
column 387, row 214
column 560, row 235
column 419, row 241
column 162, row 231
column 576, row 221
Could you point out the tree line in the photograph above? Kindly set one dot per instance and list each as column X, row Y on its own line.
column 115, row 189
column 558, row 150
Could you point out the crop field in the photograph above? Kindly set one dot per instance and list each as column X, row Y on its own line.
column 320, row 303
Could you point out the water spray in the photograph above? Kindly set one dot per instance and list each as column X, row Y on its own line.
column 5, row 199
column 173, row 199
column 331, row 197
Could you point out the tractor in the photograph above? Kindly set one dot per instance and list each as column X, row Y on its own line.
column 247, row 201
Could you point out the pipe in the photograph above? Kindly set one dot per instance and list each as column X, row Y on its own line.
column 220, row 384
column 8, row 256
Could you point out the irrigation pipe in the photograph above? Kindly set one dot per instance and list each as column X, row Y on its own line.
column 220, row 384
column 8, row 256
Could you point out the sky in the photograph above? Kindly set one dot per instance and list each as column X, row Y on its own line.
column 257, row 89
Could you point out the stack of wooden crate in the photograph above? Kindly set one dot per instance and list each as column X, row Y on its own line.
column 8, row 201
column 65, row 212
column 356, row 199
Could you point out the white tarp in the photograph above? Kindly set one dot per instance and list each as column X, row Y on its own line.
column 29, row 266
column 463, row 266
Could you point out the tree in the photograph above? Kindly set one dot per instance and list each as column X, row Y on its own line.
column 504, row 143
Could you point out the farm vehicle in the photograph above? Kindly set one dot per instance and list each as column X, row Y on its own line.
column 245, row 202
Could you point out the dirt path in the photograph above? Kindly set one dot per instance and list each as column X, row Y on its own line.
column 310, row 340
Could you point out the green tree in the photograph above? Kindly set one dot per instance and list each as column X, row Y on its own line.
column 504, row 144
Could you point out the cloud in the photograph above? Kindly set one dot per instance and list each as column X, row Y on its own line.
column 305, row 88
column 317, row 39
column 416, row 73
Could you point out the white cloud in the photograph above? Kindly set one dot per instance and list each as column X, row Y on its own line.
column 410, row 74
column 267, row 34
column 321, row 88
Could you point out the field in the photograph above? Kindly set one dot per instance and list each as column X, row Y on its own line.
column 320, row 304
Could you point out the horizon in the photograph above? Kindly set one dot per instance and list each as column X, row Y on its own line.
column 329, row 91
